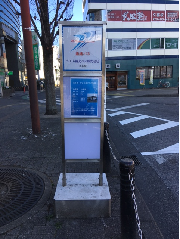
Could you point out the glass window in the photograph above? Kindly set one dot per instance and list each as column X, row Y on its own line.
column 171, row 43
column 163, row 71
column 147, row 71
column 156, row 72
column 169, row 71
column 124, row 44
column 155, row 43
column 143, row 43
column 162, row 43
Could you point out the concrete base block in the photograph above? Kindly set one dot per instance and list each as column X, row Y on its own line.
column 82, row 197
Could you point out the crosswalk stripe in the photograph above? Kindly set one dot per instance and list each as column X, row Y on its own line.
column 122, row 113
column 42, row 101
column 128, row 107
column 173, row 149
column 118, row 96
column 154, row 129
column 58, row 101
column 127, row 121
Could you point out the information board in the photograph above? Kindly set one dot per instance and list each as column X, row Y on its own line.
column 82, row 97
column 82, row 140
column 82, row 48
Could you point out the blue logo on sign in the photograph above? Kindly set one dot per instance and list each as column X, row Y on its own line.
column 83, row 39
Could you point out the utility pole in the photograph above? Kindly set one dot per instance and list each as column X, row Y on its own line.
column 26, row 27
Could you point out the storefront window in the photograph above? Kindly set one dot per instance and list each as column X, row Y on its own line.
column 156, row 72
column 157, row 43
column 163, row 71
column 169, row 71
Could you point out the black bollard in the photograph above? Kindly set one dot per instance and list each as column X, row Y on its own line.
column 128, row 217
column 106, row 150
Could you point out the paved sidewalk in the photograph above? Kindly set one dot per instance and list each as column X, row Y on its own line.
column 161, row 92
column 41, row 155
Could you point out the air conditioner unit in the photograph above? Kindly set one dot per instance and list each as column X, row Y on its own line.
column 108, row 66
column 117, row 65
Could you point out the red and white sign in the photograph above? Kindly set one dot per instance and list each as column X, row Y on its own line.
column 129, row 15
column 158, row 16
column 136, row 15
column 143, row 15
column 172, row 16
column 114, row 15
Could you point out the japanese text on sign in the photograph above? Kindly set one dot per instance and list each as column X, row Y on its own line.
column 143, row 15
column 82, row 48
column 84, row 97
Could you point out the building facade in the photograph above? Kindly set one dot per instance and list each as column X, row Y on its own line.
column 142, row 41
column 12, row 63
column 56, row 65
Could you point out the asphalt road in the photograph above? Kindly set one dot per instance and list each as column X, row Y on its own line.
column 148, row 127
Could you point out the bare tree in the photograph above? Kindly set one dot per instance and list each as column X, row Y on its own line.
column 45, row 15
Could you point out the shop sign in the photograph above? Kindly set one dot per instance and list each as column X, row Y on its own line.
column 172, row 16
column 171, row 43
column 157, row 43
column 136, row 15
column 82, row 48
column 10, row 73
column 143, row 43
column 35, row 43
column 158, row 15
column 114, row 15
column 129, row 15
column 124, row 44
column 142, row 15
column 36, row 57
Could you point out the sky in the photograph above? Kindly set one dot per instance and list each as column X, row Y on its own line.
column 77, row 11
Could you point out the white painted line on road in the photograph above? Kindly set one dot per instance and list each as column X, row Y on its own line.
column 173, row 149
column 122, row 113
column 42, row 101
column 159, row 158
column 58, row 102
column 118, row 96
column 134, row 119
column 128, row 107
column 154, row 129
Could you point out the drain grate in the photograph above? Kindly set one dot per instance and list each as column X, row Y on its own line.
column 134, row 158
column 20, row 190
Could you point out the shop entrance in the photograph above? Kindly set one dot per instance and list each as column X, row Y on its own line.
column 116, row 80
column 122, row 80
column 111, row 80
